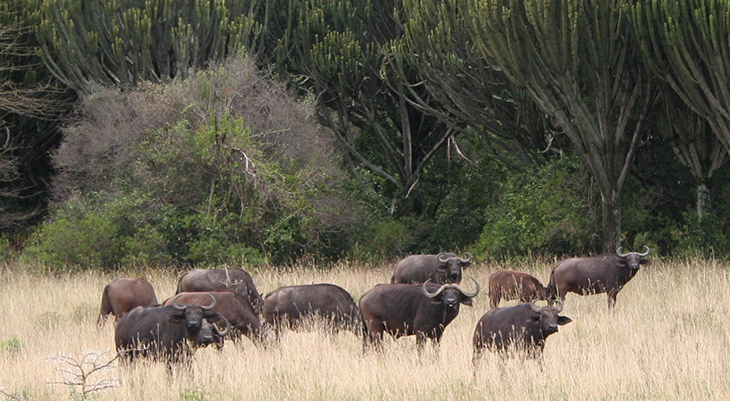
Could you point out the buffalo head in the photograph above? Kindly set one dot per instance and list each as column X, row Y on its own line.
column 547, row 318
column 452, row 265
column 451, row 295
column 199, row 322
column 633, row 259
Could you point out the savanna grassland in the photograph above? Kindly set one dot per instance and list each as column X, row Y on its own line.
column 667, row 339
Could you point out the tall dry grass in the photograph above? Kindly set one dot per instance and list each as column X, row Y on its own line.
column 667, row 339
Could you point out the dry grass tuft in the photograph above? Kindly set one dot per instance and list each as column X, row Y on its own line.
column 665, row 340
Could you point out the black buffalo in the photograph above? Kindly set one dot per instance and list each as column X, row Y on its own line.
column 440, row 269
column 410, row 309
column 161, row 332
column 124, row 294
column 232, row 306
column 508, row 284
column 598, row 274
column 520, row 329
column 290, row 306
column 201, row 280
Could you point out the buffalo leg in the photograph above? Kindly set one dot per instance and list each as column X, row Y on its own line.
column 106, row 308
column 421, row 341
column 494, row 299
column 373, row 336
column 612, row 299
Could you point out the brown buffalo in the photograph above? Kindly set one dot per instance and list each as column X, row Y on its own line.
column 440, row 269
column 411, row 309
column 290, row 306
column 124, row 294
column 238, row 280
column 520, row 329
column 594, row 275
column 232, row 306
column 508, row 285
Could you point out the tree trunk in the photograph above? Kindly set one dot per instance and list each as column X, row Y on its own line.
column 611, row 222
column 703, row 201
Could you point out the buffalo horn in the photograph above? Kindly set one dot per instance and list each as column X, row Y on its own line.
column 534, row 306
column 470, row 294
column 618, row 252
column 177, row 305
column 645, row 254
column 432, row 295
column 443, row 258
column 559, row 303
column 466, row 260
column 225, row 331
column 212, row 304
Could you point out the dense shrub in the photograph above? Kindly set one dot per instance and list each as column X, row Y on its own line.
column 549, row 211
column 224, row 167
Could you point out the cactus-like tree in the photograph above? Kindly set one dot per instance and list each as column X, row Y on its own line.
column 693, row 143
column 686, row 45
column 345, row 53
column 473, row 95
column 576, row 59
column 124, row 42
column 28, row 104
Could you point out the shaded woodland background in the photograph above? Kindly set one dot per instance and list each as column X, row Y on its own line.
column 269, row 132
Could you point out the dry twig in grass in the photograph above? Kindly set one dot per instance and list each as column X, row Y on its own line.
column 78, row 372
column 10, row 396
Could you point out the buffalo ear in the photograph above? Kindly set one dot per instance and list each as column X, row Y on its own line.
column 176, row 318
column 563, row 320
column 467, row 301
column 645, row 262
column 213, row 317
column 534, row 318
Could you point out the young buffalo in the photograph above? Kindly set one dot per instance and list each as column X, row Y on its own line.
column 507, row 284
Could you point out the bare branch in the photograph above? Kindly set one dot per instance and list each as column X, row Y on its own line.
column 78, row 372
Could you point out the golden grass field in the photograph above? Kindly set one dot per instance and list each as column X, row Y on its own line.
column 667, row 339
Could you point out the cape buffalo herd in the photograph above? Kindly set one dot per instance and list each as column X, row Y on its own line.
column 422, row 299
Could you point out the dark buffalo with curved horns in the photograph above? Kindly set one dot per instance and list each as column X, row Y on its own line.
column 520, row 329
column 410, row 309
column 231, row 305
column 238, row 280
column 594, row 275
column 162, row 332
column 124, row 294
column 508, row 285
column 290, row 306
column 440, row 269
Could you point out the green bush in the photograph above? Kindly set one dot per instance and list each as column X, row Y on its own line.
column 550, row 211
column 191, row 174
column 702, row 238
